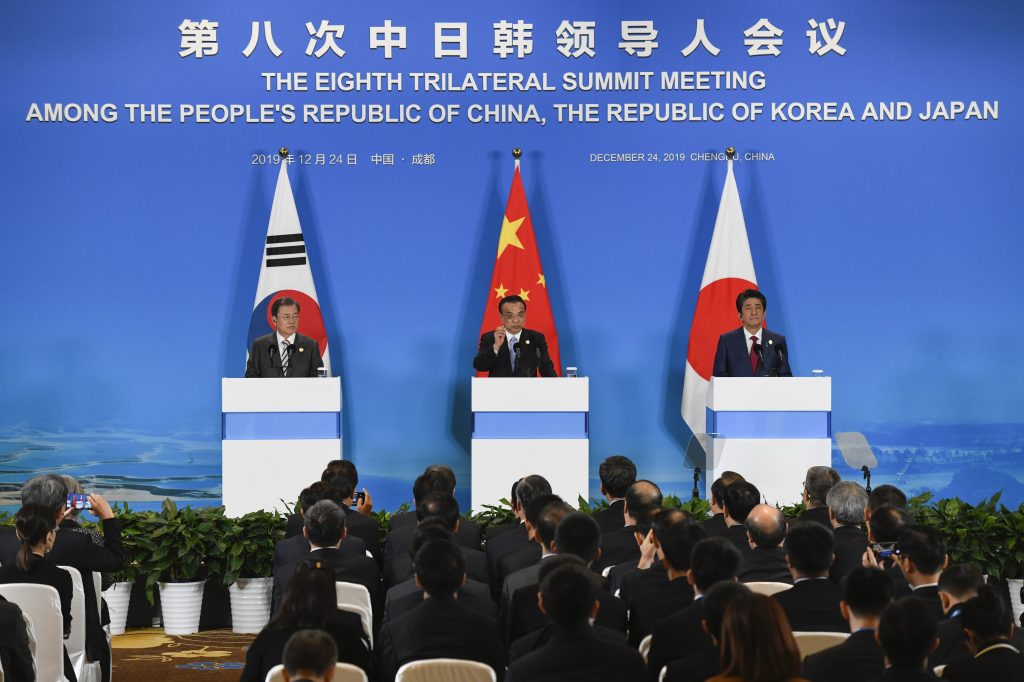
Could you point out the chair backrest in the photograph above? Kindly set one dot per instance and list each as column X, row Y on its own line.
column 812, row 642
column 343, row 672
column 356, row 598
column 41, row 604
column 768, row 589
column 645, row 646
column 75, row 643
column 445, row 670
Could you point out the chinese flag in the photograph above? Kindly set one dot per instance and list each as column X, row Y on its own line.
column 517, row 270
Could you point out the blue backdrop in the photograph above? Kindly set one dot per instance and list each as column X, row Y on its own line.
column 131, row 250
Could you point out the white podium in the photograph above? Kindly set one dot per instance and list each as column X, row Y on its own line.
column 771, row 430
column 277, row 435
column 530, row 426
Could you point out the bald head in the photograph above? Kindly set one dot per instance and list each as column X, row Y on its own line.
column 766, row 526
column 641, row 497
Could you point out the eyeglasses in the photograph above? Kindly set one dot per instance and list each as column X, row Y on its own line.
column 288, row 318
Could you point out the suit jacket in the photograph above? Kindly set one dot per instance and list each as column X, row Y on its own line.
column 648, row 608
column 611, row 519
column 534, row 356
column 523, row 615
column 618, row 547
column 404, row 597
column 297, row 546
column 515, row 561
column 894, row 674
column 637, row 583
column 678, row 636
column 500, row 545
column 15, row 655
column 732, row 359
column 857, row 659
column 348, row 567
column 265, row 357
column 764, row 565
column 695, row 668
column 539, row 638
column 579, row 655
column 440, row 627
column 850, row 545
column 818, row 515
column 346, row 629
column 401, row 569
column 1000, row 663
column 930, row 595
column 737, row 535
column 715, row 525
column 400, row 541
column 366, row 529
column 813, row 606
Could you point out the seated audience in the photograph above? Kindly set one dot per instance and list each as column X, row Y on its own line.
column 310, row 601
column 309, row 656
column 617, row 473
column 988, row 625
column 544, row 523
column 334, row 468
column 358, row 523
column 957, row 584
column 568, row 597
column 764, row 560
column 716, row 524
column 635, row 577
column 518, row 537
column 884, row 495
column 922, row 556
column 757, row 644
column 442, row 626
column 523, row 557
column 818, row 481
column 740, row 498
column 884, row 529
column 812, row 604
column 906, row 632
column 624, row 544
column 847, row 502
column 435, row 478
column 707, row 663
column 15, row 654
column 866, row 594
column 294, row 547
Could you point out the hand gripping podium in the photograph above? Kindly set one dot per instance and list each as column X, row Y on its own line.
column 770, row 430
column 530, row 426
column 277, row 437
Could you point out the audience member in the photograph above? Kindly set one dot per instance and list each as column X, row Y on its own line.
column 617, row 474
column 922, row 556
column 435, row 478
column 847, row 503
column 294, row 547
column 740, row 498
column 757, row 643
column 568, row 596
column 716, row 524
column 544, row 527
column 707, row 663
column 818, row 481
column 518, row 537
column 334, row 468
column 442, row 626
column 883, row 495
column 957, row 584
column 988, row 625
column 310, row 601
column 623, row 545
column 358, row 523
column 524, row 557
column 15, row 653
column 884, row 529
column 309, row 656
column 647, row 573
column 812, row 604
column 906, row 632
column 866, row 594
column 764, row 559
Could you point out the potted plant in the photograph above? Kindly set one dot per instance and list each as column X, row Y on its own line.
column 243, row 557
column 118, row 595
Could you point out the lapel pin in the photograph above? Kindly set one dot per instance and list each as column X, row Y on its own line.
column 770, row 342
column 303, row 350
column 527, row 342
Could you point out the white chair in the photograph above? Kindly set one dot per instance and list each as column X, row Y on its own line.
column 812, row 642
column 355, row 598
column 75, row 643
column 768, row 589
column 645, row 646
column 445, row 670
column 41, row 604
column 343, row 672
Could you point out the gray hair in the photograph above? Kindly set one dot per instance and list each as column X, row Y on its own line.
column 819, row 481
column 847, row 501
column 47, row 490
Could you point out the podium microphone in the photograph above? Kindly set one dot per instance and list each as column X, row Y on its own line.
column 695, row 494
column 517, row 348
column 760, row 355
column 867, row 477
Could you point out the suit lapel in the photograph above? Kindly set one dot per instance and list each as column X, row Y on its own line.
column 740, row 345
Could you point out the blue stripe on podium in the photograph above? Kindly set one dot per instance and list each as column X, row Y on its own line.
column 769, row 424
column 504, row 425
column 280, row 425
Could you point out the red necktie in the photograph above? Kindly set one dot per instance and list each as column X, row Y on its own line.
column 753, row 354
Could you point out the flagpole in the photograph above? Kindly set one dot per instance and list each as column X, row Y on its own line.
column 517, row 153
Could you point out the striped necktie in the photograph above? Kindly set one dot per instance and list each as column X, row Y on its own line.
column 286, row 358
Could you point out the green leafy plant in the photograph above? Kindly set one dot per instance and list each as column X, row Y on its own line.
column 591, row 506
column 494, row 515
column 245, row 548
column 698, row 509
column 6, row 518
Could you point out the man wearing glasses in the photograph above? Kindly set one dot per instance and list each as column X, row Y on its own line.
column 284, row 352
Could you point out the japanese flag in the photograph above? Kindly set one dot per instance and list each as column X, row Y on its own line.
column 285, row 272
column 728, row 271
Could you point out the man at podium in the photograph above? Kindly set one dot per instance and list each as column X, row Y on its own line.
column 512, row 350
column 751, row 350
column 284, row 352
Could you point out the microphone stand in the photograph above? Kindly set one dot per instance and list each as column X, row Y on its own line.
column 695, row 494
column 867, row 477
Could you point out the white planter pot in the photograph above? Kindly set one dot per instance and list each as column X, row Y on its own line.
column 117, row 597
column 1016, row 584
column 180, row 605
column 250, row 604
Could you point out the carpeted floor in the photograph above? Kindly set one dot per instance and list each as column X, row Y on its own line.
column 209, row 656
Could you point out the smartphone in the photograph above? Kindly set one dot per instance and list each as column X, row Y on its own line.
column 885, row 550
column 357, row 497
column 77, row 501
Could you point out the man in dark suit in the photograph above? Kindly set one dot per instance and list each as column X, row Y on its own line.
column 435, row 478
column 309, row 655
column 716, row 524
column 442, row 626
column 988, row 624
column 543, row 515
column 523, row 491
column 846, row 503
column 740, row 498
column 293, row 547
column 866, row 594
column 439, row 509
column 617, row 473
column 817, row 482
column 885, row 526
column 764, row 560
column 623, row 545
column 713, row 560
column 707, row 662
column 751, row 350
column 906, row 632
column 922, row 556
column 568, row 596
column 957, row 584
column 812, row 604
column 522, row 557
column 284, row 352
column 511, row 350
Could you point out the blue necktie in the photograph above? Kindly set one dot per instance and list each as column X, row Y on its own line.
column 511, row 352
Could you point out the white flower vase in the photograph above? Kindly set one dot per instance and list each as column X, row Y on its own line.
column 250, row 604
column 1016, row 585
column 180, row 606
column 118, row 596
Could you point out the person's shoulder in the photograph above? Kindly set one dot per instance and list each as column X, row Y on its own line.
column 264, row 340
column 774, row 336
column 302, row 340
column 738, row 331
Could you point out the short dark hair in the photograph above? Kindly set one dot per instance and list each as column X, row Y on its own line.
column 987, row 616
column 961, row 581
column 750, row 293
column 550, row 516
column 577, row 534
column 641, row 496
column 311, row 495
column 345, row 486
column 810, row 547
column 283, row 301
column 529, row 487
column 309, row 650
column 432, row 528
column 324, row 523
column 340, row 467
column 569, row 593
column 906, row 632
column 551, row 563
column 767, row 534
column 617, row 474
column 818, row 481
column 888, row 521
column 536, row 505
column 440, row 566
column 716, row 600
column 511, row 299
column 430, row 482
column 868, row 591
column 886, row 494
column 442, row 505
column 924, row 546
column 740, row 498
column 676, row 534
column 713, row 560
column 444, row 470
column 721, row 483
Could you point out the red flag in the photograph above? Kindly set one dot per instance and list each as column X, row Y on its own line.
column 517, row 270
